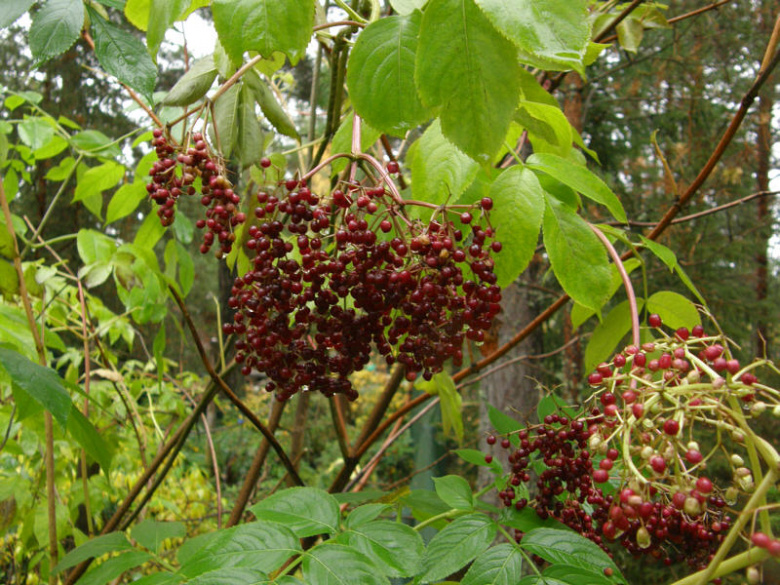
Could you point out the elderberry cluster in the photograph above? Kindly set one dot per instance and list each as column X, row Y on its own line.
column 631, row 471
column 174, row 174
column 684, row 526
column 329, row 281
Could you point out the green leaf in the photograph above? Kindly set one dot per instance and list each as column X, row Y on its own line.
column 226, row 119
column 89, row 438
column 264, row 26
column 468, row 70
column 577, row 255
column 476, row 457
column 336, row 564
column 551, row 404
column 525, row 520
column 364, row 514
column 259, row 545
column 186, row 269
column 62, row 170
column 630, row 32
column 11, row 10
column 249, row 142
column 126, row 200
column 557, row 31
column 342, row 142
column 150, row 232
column 95, row 547
column 540, row 580
column 162, row 15
column 137, row 13
column 37, row 384
column 194, row 84
column 272, row 109
column 532, row 90
column 98, row 179
column 407, row 6
column 151, row 534
column 306, row 511
column 675, row 310
column 35, row 132
column 519, row 203
column 450, row 401
column 95, row 143
column 668, row 257
column 504, row 424
column 566, row 547
column 115, row 567
column 608, row 334
column 159, row 579
column 395, row 547
column 499, row 565
column 6, row 241
column 94, row 246
column 9, row 279
column 580, row 314
column 123, row 56
column 387, row 98
column 424, row 504
column 231, row 576
column 51, row 149
column 455, row 492
column 55, row 27
column 457, row 545
column 547, row 127
column 576, row 575
column 440, row 172
column 579, row 178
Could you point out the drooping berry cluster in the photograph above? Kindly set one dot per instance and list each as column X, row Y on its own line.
column 640, row 440
column 329, row 281
column 174, row 174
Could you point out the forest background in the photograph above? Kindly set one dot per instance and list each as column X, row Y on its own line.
column 651, row 108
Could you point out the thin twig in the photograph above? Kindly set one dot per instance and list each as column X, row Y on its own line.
column 704, row 213
column 51, row 509
column 618, row 19
column 337, row 416
column 676, row 19
column 243, row 408
column 252, row 476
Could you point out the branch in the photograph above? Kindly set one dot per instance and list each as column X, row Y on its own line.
column 704, row 213
column 676, row 19
column 725, row 140
column 51, row 504
column 365, row 440
column 620, row 18
column 257, row 464
column 243, row 408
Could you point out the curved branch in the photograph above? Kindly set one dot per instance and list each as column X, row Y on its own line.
column 220, row 383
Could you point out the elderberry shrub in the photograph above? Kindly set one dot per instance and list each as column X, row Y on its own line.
column 175, row 174
column 630, row 470
column 325, row 289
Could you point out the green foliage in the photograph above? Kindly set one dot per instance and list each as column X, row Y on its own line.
column 450, row 77
column 387, row 99
column 467, row 70
column 264, row 26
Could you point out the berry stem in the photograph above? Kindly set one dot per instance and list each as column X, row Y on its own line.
column 356, row 146
column 753, row 556
column 626, row 283
column 755, row 501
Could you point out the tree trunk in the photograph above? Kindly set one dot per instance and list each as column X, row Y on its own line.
column 509, row 389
